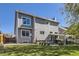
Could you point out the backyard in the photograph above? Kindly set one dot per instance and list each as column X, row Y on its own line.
column 38, row 50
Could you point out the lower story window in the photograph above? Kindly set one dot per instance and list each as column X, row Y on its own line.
column 55, row 32
column 41, row 32
column 25, row 32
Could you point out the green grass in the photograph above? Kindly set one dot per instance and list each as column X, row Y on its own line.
column 35, row 50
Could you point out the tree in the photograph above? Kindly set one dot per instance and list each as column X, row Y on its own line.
column 73, row 30
column 72, row 17
column 72, row 12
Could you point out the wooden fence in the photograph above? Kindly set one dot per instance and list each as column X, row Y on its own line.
column 1, row 38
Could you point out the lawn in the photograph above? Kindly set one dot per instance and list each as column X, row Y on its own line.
column 36, row 50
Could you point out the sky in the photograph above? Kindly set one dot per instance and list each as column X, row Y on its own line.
column 7, row 13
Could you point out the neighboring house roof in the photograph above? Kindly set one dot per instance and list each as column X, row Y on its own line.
column 53, row 20
column 62, row 29
column 9, row 35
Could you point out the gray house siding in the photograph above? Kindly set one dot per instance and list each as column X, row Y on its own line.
column 19, row 27
column 20, row 15
column 44, row 25
column 24, row 39
column 37, row 25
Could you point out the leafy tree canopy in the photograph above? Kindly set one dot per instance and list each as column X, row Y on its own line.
column 72, row 16
column 72, row 12
column 73, row 30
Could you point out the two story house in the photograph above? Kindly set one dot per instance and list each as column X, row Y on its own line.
column 29, row 28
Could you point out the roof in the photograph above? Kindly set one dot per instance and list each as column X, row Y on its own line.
column 53, row 20
column 63, row 28
column 8, row 35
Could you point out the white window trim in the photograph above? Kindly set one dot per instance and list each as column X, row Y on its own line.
column 25, row 36
column 27, row 18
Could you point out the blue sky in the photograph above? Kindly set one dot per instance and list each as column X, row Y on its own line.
column 7, row 13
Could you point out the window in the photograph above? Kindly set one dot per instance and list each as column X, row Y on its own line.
column 41, row 32
column 25, row 33
column 41, row 21
column 51, row 32
column 53, row 23
column 56, row 33
column 26, row 21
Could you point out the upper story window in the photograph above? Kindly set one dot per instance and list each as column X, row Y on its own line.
column 26, row 21
column 53, row 23
column 41, row 21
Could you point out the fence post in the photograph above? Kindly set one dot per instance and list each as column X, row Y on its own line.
column 65, row 40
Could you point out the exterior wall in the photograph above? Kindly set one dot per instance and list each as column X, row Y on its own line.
column 43, row 25
column 20, row 27
column 22, row 39
column 19, row 22
column 16, row 27
column 61, row 31
column 38, row 24
column 38, row 28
